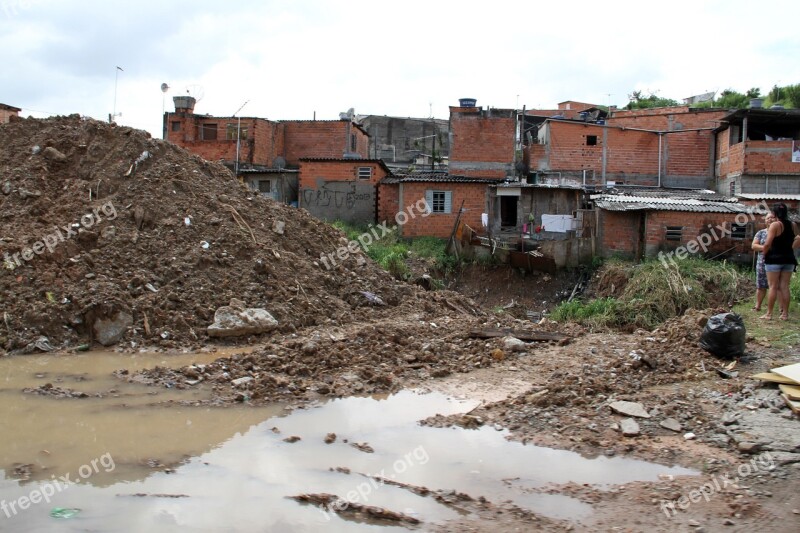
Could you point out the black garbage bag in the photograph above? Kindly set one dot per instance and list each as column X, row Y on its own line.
column 724, row 336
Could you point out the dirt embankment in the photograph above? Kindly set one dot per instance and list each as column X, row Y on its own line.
column 104, row 227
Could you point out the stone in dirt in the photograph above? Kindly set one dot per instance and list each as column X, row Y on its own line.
column 235, row 320
column 241, row 381
column 749, row 447
column 108, row 331
column 51, row 154
column 513, row 344
column 629, row 409
column 671, row 424
column 629, row 427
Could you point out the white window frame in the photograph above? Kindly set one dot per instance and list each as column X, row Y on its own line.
column 364, row 173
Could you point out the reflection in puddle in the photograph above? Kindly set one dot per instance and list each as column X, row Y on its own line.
column 233, row 470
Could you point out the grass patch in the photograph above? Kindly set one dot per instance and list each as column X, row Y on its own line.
column 647, row 294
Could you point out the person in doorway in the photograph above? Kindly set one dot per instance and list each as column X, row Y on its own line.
column 761, row 273
column 779, row 260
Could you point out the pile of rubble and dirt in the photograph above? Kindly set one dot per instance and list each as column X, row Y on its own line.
column 111, row 236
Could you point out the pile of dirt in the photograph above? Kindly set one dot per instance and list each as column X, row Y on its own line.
column 110, row 235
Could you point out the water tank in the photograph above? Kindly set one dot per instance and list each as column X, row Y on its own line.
column 756, row 103
column 776, row 106
column 467, row 102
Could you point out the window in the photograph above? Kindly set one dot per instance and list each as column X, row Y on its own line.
column 738, row 231
column 733, row 187
column 439, row 201
column 208, row 132
column 674, row 233
column 176, row 125
column 591, row 140
column 352, row 142
column 231, row 129
column 364, row 173
column 264, row 186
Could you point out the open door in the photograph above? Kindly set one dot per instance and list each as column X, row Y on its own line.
column 508, row 211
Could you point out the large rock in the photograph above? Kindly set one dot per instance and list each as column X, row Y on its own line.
column 235, row 320
column 629, row 409
column 108, row 331
column 629, row 427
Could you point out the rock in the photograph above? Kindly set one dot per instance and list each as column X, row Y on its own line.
column 235, row 320
column 513, row 344
column 693, row 523
column 729, row 522
column 279, row 227
column 689, row 436
column 629, row 427
column 498, row 354
column 783, row 458
column 7, row 188
column 629, row 409
column 109, row 331
column 241, row 381
column 51, row 154
column 671, row 424
column 749, row 447
column 729, row 419
column 292, row 439
column 330, row 438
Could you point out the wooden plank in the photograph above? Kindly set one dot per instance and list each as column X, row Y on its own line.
column 789, row 371
column 527, row 336
column 794, row 406
column 773, row 378
column 792, row 391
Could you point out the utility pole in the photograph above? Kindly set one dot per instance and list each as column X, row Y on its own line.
column 238, row 132
column 113, row 116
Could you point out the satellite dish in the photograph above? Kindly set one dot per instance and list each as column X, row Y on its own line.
column 279, row 163
column 164, row 87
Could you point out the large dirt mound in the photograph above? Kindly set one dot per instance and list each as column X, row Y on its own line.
column 103, row 226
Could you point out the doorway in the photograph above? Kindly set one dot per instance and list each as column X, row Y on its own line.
column 508, row 211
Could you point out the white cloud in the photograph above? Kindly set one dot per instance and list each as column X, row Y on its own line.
column 291, row 60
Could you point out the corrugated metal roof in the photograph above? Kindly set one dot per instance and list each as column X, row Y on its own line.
column 268, row 171
column 770, row 196
column 634, row 203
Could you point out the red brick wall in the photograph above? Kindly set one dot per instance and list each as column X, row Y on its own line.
column 618, row 233
column 729, row 159
column 571, row 105
column 344, row 170
column 321, row 138
column 480, row 136
column 257, row 149
column 441, row 225
column 388, row 201
column 769, row 157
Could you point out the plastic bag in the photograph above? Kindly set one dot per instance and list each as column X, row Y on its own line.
column 724, row 336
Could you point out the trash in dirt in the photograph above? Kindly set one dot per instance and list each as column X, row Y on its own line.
column 187, row 221
column 771, row 377
column 204, row 245
column 373, row 298
column 689, row 436
column 64, row 512
column 724, row 335
column 792, row 391
column 362, row 446
column 150, row 287
column 348, row 509
column 279, row 227
column 791, row 372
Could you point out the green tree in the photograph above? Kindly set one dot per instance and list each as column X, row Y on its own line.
column 730, row 99
column 637, row 100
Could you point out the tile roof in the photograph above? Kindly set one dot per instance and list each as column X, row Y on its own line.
column 639, row 199
column 436, row 177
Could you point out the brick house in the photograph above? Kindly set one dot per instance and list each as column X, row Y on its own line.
column 754, row 152
column 482, row 142
column 446, row 196
column 640, row 223
column 341, row 189
column 8, row 111
column 263, row 152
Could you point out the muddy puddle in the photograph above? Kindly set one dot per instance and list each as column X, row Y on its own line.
column 138, row 460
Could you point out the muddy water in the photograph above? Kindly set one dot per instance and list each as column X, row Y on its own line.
column 144, row 462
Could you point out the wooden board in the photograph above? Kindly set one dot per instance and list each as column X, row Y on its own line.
column 792, row 391
column 789, row 371
column 794, row 406
column 527, row 336
column 773, row 378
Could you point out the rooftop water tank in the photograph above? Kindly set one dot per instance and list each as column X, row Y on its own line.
column 467, row 102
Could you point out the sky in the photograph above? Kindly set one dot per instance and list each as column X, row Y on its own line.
column 305, row 58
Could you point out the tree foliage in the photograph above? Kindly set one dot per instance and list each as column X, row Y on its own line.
column 788, row 97
column 637, row 100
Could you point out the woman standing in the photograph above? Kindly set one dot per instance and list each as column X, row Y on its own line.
column 761, row 273
column 779, row 260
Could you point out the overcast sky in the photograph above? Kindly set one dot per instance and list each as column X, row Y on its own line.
column 289, row 59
